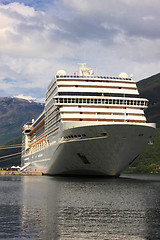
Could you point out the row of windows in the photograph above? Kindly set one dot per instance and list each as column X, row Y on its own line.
column 104, row 113
column 36, row 139
column 102, row 120
column 37, row 147
column 52, row 132
column 49, row 104
column 75, row 136
column 51, row 86
column 101, row 101
column 95, row 86
column 90, row 76
column 97, row 94
column 37, row 127
column 51, row 116
column 38, row 121
column 50, row 110
column 51, row 94
column 97, row 81
column 37, row 134
column 51, row 120
column 52, row 127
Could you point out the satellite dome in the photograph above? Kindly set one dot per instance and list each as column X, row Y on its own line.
column 61, row 73
column 123, row 75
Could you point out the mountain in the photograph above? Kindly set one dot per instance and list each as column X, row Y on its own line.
column 14, row 112
column 150, row 88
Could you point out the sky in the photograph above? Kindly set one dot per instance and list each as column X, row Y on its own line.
column 40, row 37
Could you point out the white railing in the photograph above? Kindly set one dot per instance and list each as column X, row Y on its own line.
column 91, row 76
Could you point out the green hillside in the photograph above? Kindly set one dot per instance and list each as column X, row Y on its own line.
column 149, row 160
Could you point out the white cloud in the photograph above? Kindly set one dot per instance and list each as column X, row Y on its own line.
column 21, row 9
column 113, row 35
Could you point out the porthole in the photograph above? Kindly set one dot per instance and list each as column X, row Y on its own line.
column 140, row 135
column 104, row 134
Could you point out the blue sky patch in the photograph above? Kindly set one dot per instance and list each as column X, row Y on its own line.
column 36, row 4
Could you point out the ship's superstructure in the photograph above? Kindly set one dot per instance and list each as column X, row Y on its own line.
column 86, row 118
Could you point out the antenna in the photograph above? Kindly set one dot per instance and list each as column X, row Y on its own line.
column 83, row 64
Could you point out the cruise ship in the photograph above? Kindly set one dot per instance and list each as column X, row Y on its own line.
column 91, row 125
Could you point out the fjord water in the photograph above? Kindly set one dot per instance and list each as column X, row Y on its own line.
column 80, row 208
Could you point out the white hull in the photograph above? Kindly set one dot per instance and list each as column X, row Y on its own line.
column 94, row 154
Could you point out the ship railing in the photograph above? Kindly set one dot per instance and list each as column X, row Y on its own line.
column 123, row 102
column 36, row 148
column 91, row 76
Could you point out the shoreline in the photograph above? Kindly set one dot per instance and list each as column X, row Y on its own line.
column 21, row 173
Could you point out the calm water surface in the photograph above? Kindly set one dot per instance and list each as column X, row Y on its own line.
column 80, row 208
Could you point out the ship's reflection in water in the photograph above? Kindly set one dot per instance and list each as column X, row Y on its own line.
column 80, row 208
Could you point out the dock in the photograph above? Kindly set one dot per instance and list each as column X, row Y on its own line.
column 20, row 173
